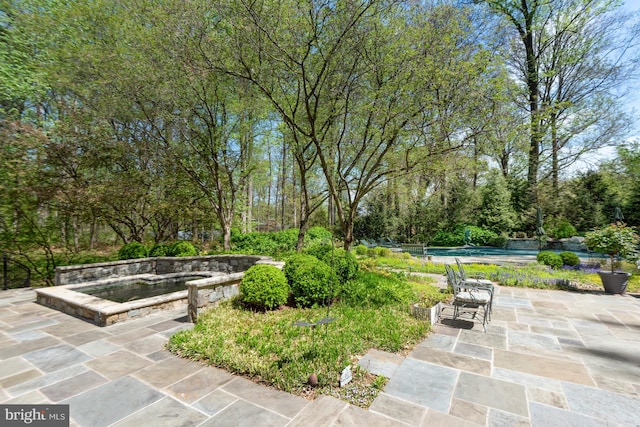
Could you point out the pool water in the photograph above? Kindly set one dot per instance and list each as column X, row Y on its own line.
column 132, row 291
column 491, row 251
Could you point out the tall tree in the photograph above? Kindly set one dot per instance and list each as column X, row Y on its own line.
column 566, row 62
column 354, row 80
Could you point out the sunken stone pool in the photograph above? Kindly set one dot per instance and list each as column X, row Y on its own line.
column 108, row 293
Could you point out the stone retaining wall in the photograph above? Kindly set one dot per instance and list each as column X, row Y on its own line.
column 75, row 274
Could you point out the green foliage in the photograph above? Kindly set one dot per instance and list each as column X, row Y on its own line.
column 613, row 240
column 379, row 251
column 344, row 263
column 182, row 248
column 159, row 249
column 310, row 280
column 569, row 258
column 591, row 201
column 496, row 212
column 361, row 250
column 267, row 243
column 316, row 235
column 133, row 250
column 563, row 230
column 372, row 289
column 447, row 238
column 478, row 237
column 549, row 258
column 264, row 286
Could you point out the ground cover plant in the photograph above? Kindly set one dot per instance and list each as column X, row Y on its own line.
column 372, row 311
column 532, row 275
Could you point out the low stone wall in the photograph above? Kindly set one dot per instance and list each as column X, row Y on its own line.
column 75, row 274
column 574, row 244
column 221, row 263
column 211, row 291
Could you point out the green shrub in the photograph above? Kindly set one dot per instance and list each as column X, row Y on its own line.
column 549, row 258
column 344, row 263
column 317, row 235
column 361, row 250
column 447, row 238
column 159, row 249
column 477, row 235
column 264, row 286
column 265, row 243
column 381, row 252
column 499, row 241
column 310, row 280
column 563, row 230
column 133, row 250
column 371, row 289
column 569, row 258
column 182, row 248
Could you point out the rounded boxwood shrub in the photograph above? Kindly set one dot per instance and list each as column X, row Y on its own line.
column 264, row 286
column 133, row 250
column 182, row 248
column 549, row 258
column 310, row 280
column 569, row 258
column 344, row 263
column 159, row 249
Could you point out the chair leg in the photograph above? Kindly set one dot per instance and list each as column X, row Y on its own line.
column 484, row 320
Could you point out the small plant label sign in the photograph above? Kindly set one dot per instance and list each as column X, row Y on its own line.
column 345, row 376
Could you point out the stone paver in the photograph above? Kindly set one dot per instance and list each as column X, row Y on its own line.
column 547, row 358
column 111, row 402
column 381, row 362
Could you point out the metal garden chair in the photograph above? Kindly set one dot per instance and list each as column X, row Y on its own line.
column 468, row 300
column 483, row 285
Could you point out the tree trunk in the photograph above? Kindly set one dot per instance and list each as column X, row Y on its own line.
column 92, row 234
column 555, row 151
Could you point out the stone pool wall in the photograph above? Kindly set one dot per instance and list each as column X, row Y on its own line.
column 574, row 244
column 225, row 271
column 75, row 274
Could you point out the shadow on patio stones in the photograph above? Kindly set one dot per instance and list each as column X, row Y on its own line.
column 458, row 323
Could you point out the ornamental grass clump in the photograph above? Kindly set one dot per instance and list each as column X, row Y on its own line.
column 615, row 240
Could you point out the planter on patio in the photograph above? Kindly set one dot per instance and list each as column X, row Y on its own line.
column 614, row 283
column 432, row 313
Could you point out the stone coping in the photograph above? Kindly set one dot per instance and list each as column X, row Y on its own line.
column 71, row 295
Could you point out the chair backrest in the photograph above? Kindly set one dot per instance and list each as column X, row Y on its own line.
column 453, row 278
column 463, row 275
